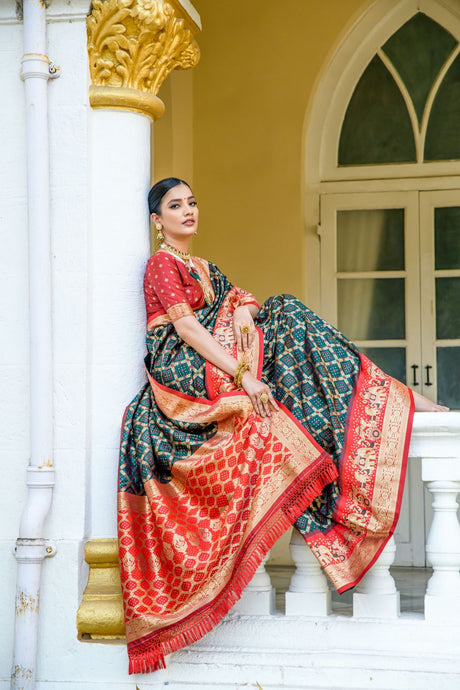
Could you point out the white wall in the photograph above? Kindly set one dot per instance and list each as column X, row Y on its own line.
column 68, row 114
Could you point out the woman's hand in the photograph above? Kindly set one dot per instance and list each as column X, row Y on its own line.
column 244, row 329
column 260, row 395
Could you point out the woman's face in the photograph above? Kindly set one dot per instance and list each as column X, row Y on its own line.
column 178, row 214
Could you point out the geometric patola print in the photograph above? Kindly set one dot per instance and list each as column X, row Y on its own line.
column 311, row 368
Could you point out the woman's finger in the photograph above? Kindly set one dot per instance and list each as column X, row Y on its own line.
column 255, row 404
column 273, row 402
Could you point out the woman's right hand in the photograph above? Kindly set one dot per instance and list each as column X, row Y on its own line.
column 255, row 389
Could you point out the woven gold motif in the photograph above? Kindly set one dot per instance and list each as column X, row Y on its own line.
column 178, row 310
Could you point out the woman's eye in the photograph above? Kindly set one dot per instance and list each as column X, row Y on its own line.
column 193, row 203
column 174, row 206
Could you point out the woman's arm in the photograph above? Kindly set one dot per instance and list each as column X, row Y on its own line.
column 195, row 335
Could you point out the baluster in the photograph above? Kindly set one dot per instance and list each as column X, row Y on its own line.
column 258, row 598
column 442, row 599
column 376, row 595
column 308, row 594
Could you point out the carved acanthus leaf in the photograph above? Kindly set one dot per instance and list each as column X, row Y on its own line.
column 137, row 43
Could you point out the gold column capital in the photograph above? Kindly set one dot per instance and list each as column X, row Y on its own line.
column 133, row 45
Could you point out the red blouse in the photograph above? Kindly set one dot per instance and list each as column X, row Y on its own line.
column 170, row 291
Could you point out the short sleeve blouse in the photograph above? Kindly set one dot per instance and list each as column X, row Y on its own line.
column 170, row 289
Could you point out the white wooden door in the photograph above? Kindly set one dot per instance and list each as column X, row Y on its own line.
column 390, row 280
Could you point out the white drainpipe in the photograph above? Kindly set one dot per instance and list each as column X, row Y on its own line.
column 31, row 548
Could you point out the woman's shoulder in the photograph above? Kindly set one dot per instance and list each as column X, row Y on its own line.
column 162, row 260
column 160, row 257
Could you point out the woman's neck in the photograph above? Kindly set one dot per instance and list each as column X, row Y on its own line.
column 178, row 245
column 172, row 249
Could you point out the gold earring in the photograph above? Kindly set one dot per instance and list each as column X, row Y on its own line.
column 159, row 228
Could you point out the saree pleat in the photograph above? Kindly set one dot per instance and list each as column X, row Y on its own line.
column 206, row 486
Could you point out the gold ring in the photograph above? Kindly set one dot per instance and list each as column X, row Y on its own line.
column 264, row 398
column 245, row 329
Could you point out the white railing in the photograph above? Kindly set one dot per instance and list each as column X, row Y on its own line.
column 436, row 443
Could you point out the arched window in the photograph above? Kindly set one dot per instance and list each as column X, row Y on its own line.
column 406, row 105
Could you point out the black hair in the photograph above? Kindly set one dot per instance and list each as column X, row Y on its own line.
column 158, row 191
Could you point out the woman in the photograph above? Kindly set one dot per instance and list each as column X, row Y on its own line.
column 253, row 418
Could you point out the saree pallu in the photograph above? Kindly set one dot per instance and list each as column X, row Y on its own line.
column 206, row 486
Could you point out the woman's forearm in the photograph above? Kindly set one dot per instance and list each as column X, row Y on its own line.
column 195, row 335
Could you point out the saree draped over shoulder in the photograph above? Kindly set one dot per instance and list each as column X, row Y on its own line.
column 206, row 486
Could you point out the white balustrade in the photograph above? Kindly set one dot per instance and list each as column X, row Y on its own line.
column 376, row 595
column 258, row 598
column 309, row 594
column 442, row 599
column 436, row 441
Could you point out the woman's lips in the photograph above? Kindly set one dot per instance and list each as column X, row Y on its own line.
column 189, row 222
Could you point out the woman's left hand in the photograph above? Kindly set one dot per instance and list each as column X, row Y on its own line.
column 244, row 329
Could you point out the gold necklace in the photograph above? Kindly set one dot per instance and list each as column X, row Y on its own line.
column 177, row 252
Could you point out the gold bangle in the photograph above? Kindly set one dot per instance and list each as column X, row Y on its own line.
column 241, row 372
column 241, row 368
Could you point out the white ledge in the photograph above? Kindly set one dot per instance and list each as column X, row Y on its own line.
column 435, row 435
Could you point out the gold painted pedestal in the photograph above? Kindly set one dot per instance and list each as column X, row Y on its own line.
column 100, row 615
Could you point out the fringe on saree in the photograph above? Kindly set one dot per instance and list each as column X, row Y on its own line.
column 148, row 654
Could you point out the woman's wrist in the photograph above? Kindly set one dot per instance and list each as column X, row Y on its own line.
column 241, row 368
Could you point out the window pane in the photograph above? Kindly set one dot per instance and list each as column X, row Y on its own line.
column 370, row 240
column 448, row 370
column 443, row 134
column 391, row 359
column 371, row 308
column 376, row 128
column 447, row 308
column 418, row 50
column 447, row 237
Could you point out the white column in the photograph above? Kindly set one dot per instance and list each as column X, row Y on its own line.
column 376, row 595
column 258, row 598
column 309, row 594
column 442, row 599
column 118, row 250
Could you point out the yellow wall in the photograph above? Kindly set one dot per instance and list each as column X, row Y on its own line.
column 234, row 128
column 259, row 63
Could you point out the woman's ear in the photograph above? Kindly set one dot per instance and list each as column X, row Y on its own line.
column 156, row 220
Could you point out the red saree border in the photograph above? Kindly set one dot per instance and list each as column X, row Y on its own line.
column 372, row 473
